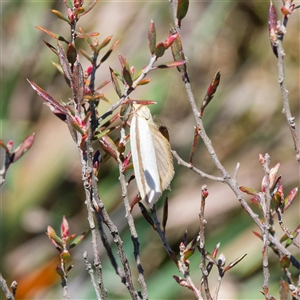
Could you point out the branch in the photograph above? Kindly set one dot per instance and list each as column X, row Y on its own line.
column 226, row 178
column 5, row 289
column 266, row 203
column 286, row 107
column 202, row 223
column 134, row 235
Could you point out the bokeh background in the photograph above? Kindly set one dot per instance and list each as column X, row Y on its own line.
column 244, row 119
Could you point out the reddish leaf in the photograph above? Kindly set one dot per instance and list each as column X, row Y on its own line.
column 170, row 40
column 284, row 290
column 64, row 62
column 64, row 228
column 272, row 178
column 123, row 62
column 54, row 237
column 23, row 148
column 247, row 190
column 108, row 53
column 52, row 34
column 142, row 102
column 104, row 43
column 78, row 84
column 210, row 92
column 88, row 39
column 290, row 198
column 177, row 51
column 190, row 248
column 48, row 99
column 272, row 22
column 108, row 145
column 171, row 64
column 233, row 263
column 258, row 235
column 103, row 84
column 52, row 48
column 90, row 5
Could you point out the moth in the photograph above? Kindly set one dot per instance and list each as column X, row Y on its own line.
column 151, row 156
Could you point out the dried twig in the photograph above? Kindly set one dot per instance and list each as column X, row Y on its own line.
column 8, row 294
column 286, row 107
column 91, row 273
column 202, row 223
column 266, row 204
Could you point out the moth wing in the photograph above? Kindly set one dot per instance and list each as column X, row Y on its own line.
column 144, row 160
column 163, row 157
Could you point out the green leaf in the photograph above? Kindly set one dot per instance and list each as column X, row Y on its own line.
column 77, row 240
column 152, row 37
column 115, row 82
column 127, row 76
column 159, row 50
column 88, row 57
column 88, row 39
column 68, row 3
column 60, row 16
column 248, row 190
column 71, row 54
column 182, row 9
column 109, row 52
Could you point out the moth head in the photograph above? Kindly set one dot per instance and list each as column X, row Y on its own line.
column 142, row 111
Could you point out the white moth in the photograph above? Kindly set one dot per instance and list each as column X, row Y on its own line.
column 151, row 156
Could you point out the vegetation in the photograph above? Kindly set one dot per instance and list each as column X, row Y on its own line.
column 227, row 227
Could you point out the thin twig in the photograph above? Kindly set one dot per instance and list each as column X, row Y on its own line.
column 108, row 249
column 128, row 91
column 180, row 161
column 266, row 203
column 86, row 178
column 91, row 273
column 231, row 182
column 202, row 223
column 285, row 229
column 218, row 286
column 162, row 235
column 119, row 243
column 5, row 289
column 134, row 234
column 286, row 107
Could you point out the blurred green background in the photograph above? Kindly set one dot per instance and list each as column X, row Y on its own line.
column 243, row 120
